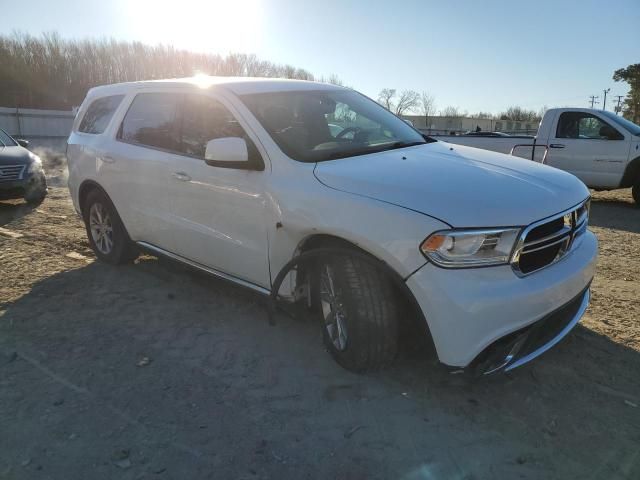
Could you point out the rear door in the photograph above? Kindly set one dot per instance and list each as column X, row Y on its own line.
column 139, row 160
column 219, row 212
column 578, row 146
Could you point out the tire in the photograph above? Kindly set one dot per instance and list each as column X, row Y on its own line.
column 360, row 324
column 635, row 192
column 36, row 191
column 106, row 232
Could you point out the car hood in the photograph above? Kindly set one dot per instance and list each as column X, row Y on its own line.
column 14, row 156
column 462, row 186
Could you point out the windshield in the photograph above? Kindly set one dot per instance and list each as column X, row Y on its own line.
column 6, row 140
column 313, row 126
column 623, row 122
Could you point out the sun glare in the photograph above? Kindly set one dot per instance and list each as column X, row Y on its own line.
column 218, row 26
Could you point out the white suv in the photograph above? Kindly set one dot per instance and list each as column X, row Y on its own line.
column 370, row 223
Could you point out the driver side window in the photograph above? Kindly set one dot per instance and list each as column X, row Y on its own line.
column 204, row 119
column 582, row 125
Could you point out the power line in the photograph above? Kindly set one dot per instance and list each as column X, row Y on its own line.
column 593, row 99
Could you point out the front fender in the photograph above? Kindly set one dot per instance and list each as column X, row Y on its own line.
column 388, row 232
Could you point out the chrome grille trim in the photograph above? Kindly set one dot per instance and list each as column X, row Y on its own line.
column 9, row 173
column 575, row 224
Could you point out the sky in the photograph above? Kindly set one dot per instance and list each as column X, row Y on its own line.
column 473, row 55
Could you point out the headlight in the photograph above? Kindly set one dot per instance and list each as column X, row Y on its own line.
column 470, row 248
column 36, row 163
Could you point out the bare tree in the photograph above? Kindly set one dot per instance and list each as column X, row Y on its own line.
column 450, row 111
column 518, row 113
column 386, row 96
column 335, row 80
column 482, row 114
column 542, row 111
column 427, row 106
column 332, row 79
column 409, row 100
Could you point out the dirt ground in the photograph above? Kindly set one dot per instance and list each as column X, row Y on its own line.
column 152, row 371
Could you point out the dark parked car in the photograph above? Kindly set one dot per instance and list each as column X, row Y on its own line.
column 21, row 174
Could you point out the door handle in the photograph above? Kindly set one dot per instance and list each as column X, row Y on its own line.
column 557, row 145
column 108, row 159
column 183, row 177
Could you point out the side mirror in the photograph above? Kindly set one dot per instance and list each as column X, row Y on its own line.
column 609, row 133
column 22, row 142
column 229, row 152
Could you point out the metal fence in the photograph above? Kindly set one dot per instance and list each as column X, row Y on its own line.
column 43, row 128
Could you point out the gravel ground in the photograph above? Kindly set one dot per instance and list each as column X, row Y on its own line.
column 153, row 371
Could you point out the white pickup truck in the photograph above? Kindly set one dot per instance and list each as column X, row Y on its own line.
column 599, row 147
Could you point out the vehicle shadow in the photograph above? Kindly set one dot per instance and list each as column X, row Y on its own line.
column 11, row 210
column 182, row 356
column 614, row 212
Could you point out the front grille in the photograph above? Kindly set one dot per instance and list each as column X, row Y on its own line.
column 547, row 241
column 10, row 173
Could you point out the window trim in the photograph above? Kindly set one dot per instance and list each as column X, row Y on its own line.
column 113, row 114
column 257, row 163
column 586, row 114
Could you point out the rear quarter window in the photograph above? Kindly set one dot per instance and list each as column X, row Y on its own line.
column 99, row 114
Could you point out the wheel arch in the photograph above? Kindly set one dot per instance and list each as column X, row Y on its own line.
column 631, row 173
column 414, row 318
column 86, row 187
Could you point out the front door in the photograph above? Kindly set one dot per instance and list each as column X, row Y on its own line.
column 219, row 213
column 590, row 148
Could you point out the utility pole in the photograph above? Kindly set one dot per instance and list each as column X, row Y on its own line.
column 604, row 102
column 593, row 99
column 618, row 108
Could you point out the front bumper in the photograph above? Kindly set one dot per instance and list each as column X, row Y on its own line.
column 18, row 188
column 13, row 189
column 467, row 310
column 523, row 346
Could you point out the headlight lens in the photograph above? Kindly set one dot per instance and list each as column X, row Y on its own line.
column 470, row 248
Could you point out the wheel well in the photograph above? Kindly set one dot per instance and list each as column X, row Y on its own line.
column 414, row 329
column 324, row 240
column 631, row 174
column 87, row 187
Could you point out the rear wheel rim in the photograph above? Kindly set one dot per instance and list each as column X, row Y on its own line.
column 332, row 309
column 101, row 228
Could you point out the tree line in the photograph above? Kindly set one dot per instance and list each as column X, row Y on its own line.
column 412, row 102
column 409, row 102
column 51, row 72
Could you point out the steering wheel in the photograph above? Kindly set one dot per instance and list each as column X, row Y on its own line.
column 347, row 130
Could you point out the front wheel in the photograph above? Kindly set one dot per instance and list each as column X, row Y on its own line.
column 359, row 313
column 106, row 232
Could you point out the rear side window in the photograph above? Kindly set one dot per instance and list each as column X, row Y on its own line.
column 206, row 119
column 152, row 120
column 99, row 114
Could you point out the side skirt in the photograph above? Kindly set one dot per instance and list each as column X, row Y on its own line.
column 198, row 266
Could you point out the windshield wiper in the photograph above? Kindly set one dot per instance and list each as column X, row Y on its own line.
column 406, row 144
column 377, row 149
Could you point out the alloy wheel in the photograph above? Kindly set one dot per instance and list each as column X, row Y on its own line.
column 332, row 309
column 101, row 228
